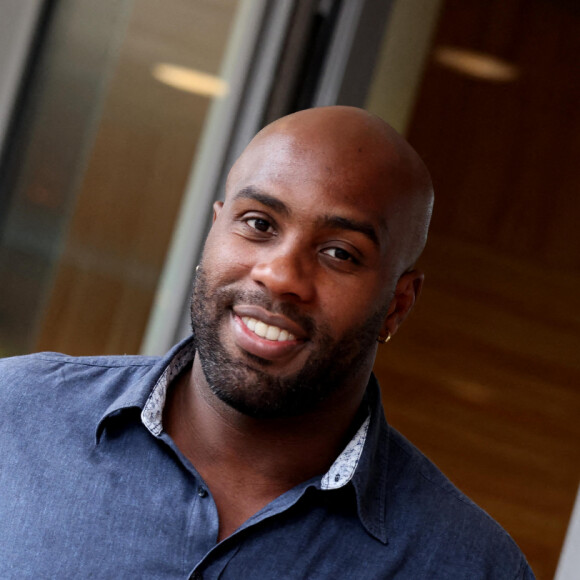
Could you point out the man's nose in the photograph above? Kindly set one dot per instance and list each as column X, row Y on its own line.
column 285, row 272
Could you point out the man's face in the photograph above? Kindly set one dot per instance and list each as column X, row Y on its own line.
column 295, row 281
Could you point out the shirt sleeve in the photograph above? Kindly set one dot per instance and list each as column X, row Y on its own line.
column 525, row 572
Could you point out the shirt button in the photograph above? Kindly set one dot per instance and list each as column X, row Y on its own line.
column 202, row 492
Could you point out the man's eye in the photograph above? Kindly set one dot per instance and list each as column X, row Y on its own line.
column 339, row 254
column 260, row 224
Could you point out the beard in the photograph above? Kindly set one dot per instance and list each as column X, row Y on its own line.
column 255, row 392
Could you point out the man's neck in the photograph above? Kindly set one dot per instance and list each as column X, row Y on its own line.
column 248, row 462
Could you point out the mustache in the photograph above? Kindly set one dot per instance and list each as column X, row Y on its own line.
column 229, row 297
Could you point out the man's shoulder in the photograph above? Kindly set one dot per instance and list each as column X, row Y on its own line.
column 51, row 358
column 425, row 507
column 42, row 362
column 49, row 371
column 42, row 391
column 419, row 473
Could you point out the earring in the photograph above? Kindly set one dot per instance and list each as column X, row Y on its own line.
column 384, row 339
column 197, row 268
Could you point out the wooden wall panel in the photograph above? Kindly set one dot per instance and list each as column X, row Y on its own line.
column 484, row 379
column 503, row 155
column 485, row 376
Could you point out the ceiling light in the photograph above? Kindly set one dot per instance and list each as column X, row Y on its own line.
column 190, row 80
column 476, row 64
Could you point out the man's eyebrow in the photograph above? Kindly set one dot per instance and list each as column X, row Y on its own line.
column 264, row 198
column 328, row 221
column 343, row 223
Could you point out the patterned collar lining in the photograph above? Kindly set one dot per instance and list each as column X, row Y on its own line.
column 340, row 472
column 152, row 413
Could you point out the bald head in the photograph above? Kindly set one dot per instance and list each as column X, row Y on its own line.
column 325, row 213
column 373, row 163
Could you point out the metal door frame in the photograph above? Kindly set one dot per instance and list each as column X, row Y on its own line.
column 265, row 50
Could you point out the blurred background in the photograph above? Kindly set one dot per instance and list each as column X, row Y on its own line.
column 120, row 118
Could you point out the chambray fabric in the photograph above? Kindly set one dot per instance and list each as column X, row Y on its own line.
column 88, row 490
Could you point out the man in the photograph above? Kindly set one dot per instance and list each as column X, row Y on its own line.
column 258, row 449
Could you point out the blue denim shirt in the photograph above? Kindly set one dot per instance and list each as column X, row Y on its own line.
column 90, row 488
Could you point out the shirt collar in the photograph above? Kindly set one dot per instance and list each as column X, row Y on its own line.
column 137, row 393
column 362, row 462
column 152, row 413
column 370, row 478
column 344, row 467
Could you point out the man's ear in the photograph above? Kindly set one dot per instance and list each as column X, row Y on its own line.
column 406, row 293
column 217, row 207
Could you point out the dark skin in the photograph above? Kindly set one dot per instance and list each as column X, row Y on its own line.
column 326, row 211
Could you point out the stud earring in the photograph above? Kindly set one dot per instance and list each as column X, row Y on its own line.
column 384, row 339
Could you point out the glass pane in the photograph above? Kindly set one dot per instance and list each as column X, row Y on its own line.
column 101, row 163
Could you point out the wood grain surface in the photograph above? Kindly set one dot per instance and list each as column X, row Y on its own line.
column 485, row 377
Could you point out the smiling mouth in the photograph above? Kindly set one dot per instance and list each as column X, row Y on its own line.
column 267, row 331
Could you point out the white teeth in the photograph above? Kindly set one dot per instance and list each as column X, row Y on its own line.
column 261, row 329
column 272, row 333
column 269, row 332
